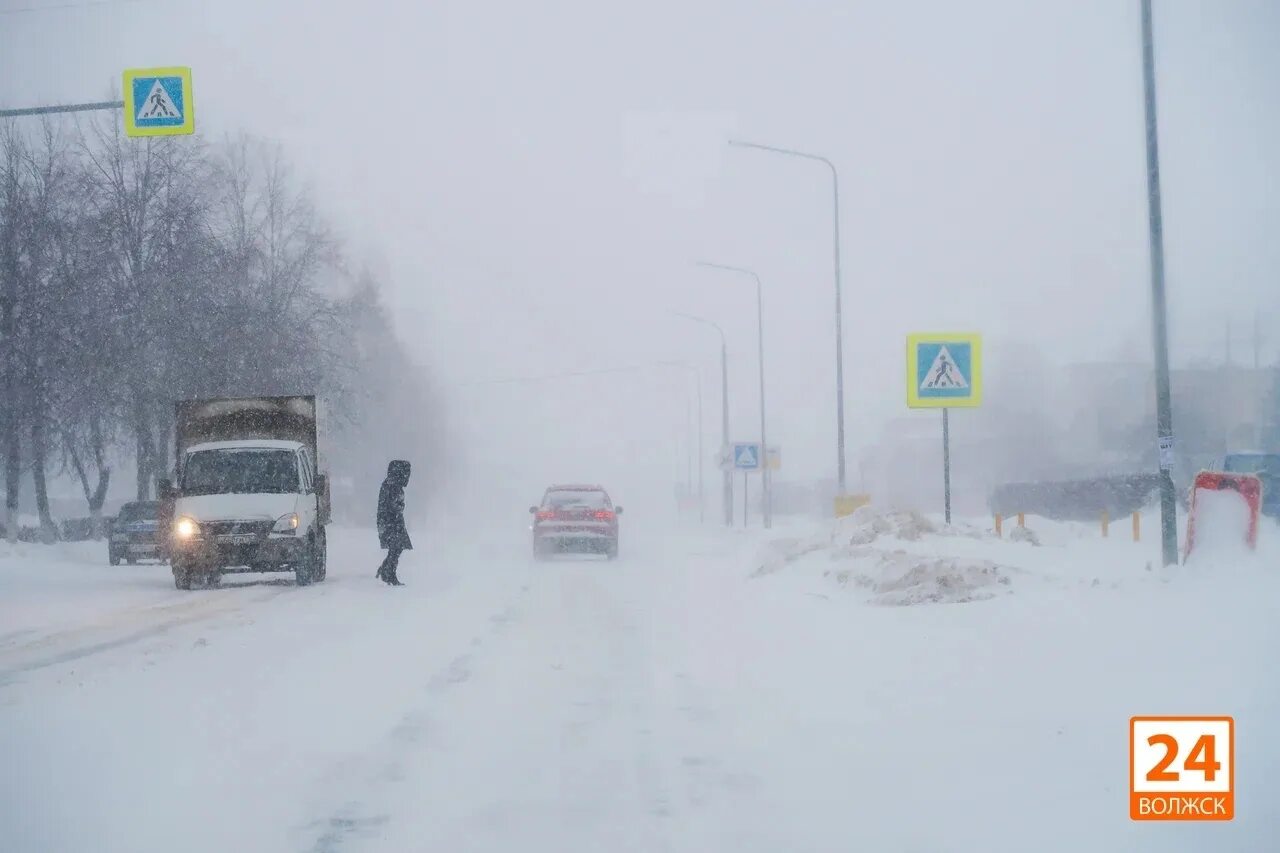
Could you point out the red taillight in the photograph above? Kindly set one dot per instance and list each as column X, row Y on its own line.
column 546, row 514
column 604, row 515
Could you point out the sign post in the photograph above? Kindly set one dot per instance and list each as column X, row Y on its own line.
column 746, row 458
column 946, row 463
column 157, row 102
column 944, row 371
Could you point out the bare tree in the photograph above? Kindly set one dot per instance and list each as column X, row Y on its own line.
column 13, row 222
column 148, row 201
column 137, row 272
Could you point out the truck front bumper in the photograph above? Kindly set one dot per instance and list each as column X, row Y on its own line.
column 261, row 554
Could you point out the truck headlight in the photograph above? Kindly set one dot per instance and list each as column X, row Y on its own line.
column 287, row 524
column 186, row 528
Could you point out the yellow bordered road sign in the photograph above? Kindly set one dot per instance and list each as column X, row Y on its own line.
column 944, row 370
column 158, row 102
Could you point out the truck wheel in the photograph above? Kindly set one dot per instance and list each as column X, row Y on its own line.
column 612, row 552
column 113, row 557
column 181, row 577
column 322, row 555
column 306, row 569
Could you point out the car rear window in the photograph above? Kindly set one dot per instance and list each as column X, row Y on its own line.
column 576, row 499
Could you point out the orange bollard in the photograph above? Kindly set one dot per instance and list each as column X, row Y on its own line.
column 1022, row 519
column 1106, row 523
column 1137, row 527
column 999, row 526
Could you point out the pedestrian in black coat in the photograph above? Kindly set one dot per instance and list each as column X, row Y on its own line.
column 392, row 534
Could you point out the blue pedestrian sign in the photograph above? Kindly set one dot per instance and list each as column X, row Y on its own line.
column 746, row 457
column 944, row 371
column 158, row 102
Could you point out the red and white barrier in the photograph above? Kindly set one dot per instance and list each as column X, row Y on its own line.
column 1248, row 486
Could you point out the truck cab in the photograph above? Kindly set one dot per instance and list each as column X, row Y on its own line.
column 246, row 504
column 1266, row 466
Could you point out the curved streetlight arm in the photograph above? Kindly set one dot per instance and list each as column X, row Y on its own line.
column 742, row 270
column 791, row 152
column 703, row 320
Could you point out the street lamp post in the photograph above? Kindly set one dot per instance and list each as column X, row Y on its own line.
column 697, row 382
column 724, row 414
column 835, row 187
column 767, row 492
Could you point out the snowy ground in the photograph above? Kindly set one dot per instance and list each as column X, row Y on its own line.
column 867, row 686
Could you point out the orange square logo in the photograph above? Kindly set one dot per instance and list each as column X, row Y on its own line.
column 1182, row 768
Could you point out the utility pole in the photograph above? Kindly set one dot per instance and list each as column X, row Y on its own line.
column 839, row 310
column 1160, row 338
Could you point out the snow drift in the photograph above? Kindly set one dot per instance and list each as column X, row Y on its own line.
column 868, row 551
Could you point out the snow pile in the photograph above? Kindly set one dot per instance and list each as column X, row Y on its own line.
column 852, row 534
column 897, row 557
column 1024, row 534
column 1221, row 527
column 777, row 554
column 868, row 525
column 898, row 578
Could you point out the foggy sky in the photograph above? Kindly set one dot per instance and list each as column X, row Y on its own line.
column 535, row 179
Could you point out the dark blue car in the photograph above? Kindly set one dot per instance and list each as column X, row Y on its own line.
column 135, row 533
column 1267, row 467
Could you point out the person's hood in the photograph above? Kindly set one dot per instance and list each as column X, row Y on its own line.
column 398, row 471
column 263, row 507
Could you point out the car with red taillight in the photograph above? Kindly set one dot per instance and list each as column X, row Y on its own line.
column 575, row 519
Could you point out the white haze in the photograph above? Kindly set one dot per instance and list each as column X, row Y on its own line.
column 535, row 180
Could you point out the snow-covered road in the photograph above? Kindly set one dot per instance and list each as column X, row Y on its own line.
column 668, row 701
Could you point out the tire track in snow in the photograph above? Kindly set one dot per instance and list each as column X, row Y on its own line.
column 355, row 819
column 123, row 628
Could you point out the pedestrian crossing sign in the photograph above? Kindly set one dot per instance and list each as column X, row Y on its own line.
column 158, row 102
column 944, row 370
column 746, row 457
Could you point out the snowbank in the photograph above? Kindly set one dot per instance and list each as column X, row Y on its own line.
column 1222, row 525
column 906, row 558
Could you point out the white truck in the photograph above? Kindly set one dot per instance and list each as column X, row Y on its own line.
column 248, row 495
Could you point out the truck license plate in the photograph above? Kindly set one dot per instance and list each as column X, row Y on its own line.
column 238, row 539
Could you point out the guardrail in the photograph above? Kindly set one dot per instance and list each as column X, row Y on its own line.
column 1104, row 523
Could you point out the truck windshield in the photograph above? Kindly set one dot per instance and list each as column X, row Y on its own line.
column 239, row 472
column 1265, row 464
